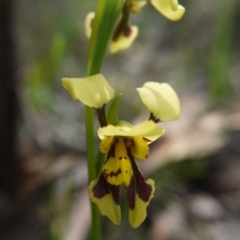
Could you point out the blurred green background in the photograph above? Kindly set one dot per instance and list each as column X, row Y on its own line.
column 195, row 165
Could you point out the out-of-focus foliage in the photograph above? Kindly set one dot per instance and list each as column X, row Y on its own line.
column 197, row 55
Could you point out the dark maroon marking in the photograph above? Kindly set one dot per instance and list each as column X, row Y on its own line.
column 125, row 157
column 132, row 143
column 101, row 188
column 115, row 174
column 153, row 118
column 130, row 194
column 115, row 193
column 111, row 152
column 111, row 174
column 138, row 184
column 127, row 31
column 91, row 22
column 120, row 158
column 143, row 189
column 145, row 139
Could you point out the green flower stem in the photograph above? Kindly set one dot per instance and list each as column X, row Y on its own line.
column 89, row 125
column 107, row 13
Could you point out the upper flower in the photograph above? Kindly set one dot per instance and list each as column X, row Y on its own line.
column 122, row 38
column 124, row 34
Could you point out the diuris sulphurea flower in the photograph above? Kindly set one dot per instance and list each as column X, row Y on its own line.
column 122, row 143
column 124, row 33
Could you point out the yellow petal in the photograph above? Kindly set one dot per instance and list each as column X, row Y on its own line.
column 139, row 212
column 136, row 5
column 105, row 144
column 88, row 23
column 93, row 91
column 117, row 168
column 169, row 9
column 161, row 100
column 148, row 130
column 106, row 204
column 124, row 41
column 139, row 148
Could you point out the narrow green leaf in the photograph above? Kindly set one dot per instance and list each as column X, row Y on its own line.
column 106, row 16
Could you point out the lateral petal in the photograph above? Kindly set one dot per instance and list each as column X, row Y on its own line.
column 107, row 199
column 139, row 193
column 139, row 148
column 93, row 91
column 161, row 100
column 124, row 40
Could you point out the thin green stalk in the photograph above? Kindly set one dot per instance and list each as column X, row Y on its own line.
column 89, row 126
column 107, row 13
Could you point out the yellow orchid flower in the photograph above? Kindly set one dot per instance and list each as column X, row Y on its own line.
column 124, row 40
column 168, row 8
column 120, row 41
column 161, row 100
column 122, row 144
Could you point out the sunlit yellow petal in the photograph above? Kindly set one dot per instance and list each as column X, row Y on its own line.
column 161, row 100
column 169, row 9
column 93, row 91
column 124, row 41
column 139, row 148
column 106, row 205
column 117, row 169
column 105, row 144
column 136, row 5
column 148, row 130
column 88, row 23
column 139, row 213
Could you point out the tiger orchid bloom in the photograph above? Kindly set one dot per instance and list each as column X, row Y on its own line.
column 123, row 143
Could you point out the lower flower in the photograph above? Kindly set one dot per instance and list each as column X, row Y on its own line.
column 122, row 144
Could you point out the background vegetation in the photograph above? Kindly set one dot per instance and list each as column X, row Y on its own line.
column 195, row 166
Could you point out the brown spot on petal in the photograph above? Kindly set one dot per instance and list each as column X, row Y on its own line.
column 127, row 31
column 130, row 193
column 115, row 193
column 145, row 139
column 103, row 187
column 112, row 173
column 111, row 152
column 143, row 189
column 91, row 22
